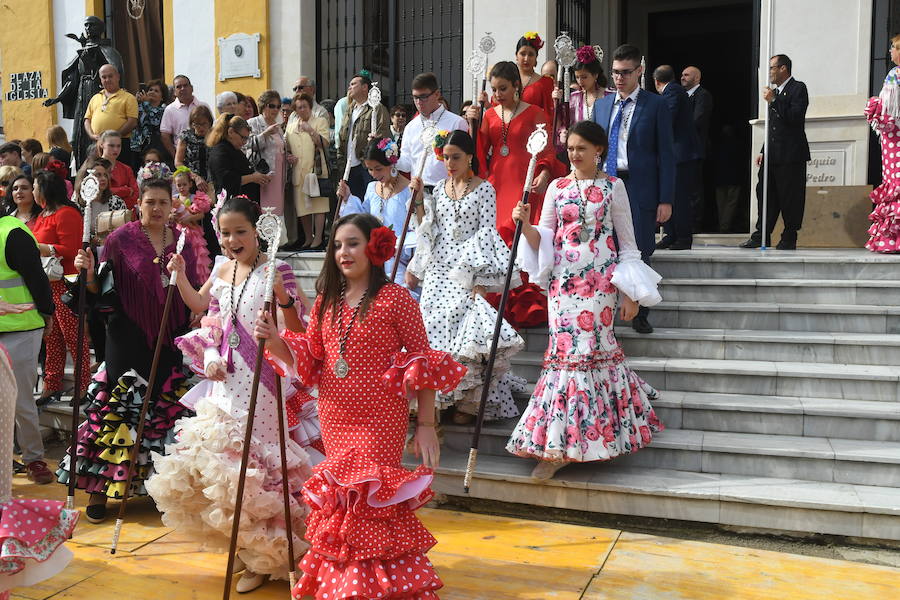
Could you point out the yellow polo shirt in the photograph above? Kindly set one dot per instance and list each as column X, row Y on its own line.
column 111, row 113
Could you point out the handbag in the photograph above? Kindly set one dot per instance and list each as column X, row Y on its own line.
column 257, row 162
column 311, row 185
column 322, row 172
column 52, row 267
column 110, row 220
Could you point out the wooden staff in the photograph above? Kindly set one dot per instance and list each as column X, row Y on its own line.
column 537, row 141
column 285, row 486
column 269, row 228
column 90, row 189
column 151, row 384
column 428, row 133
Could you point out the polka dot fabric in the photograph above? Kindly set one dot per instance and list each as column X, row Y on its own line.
column 361, row 525
column 884, row 233
column 31, row 530
column 459, row 248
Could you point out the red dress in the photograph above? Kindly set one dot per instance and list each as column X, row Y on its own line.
column 540, row 94
column 123, row 184
column 527, row 306
column 365, row 540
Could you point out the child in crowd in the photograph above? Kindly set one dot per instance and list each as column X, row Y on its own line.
column 189, row 208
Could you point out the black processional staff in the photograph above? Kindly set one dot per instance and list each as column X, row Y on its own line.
column 90, row 189
column 145, row 404
column 537, row 141
column 269, row 227
column 428, row 133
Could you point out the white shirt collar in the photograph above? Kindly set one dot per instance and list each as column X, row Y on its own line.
column 691, row 91
column 633, row 95
column 781, row 87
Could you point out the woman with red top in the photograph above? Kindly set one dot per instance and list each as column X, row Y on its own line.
column 367, row 350
column 58, row 232
column 121, row 178
column 501, row 147
column 537, row 89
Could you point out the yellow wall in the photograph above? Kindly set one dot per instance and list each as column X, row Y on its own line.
column 33, row 21
column 169, row 38
column 240, row 16
column 95, row 8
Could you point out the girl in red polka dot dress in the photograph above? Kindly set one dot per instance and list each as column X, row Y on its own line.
column 366, row 348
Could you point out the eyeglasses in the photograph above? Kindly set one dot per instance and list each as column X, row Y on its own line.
column 300, row 87
column 423, row 97
column 273, row 106
column 243, row 137
column 623, row 72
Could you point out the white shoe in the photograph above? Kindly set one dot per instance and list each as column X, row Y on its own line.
column 238, row 565
column 249, row 581
column 546, row 469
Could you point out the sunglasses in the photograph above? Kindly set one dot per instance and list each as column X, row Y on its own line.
column 273, row 106
column 300, row 87
column 399, row 115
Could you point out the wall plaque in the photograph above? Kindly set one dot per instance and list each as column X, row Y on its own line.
column 239, row 56
column 826, row 167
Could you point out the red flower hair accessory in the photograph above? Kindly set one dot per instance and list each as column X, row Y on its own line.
column 58, row 167
column 382, row 245
column 534, row 40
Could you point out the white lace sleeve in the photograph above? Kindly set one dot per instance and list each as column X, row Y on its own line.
column 632, row 276
column 424, row 237
column 538, row 263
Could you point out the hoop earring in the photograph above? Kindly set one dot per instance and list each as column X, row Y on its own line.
column 394, row 171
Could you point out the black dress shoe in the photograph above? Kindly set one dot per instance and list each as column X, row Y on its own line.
column 681, row 245
column 751, row 243
column 641, row 325
column 95, row 513
column 783, row 245
column 664, row 243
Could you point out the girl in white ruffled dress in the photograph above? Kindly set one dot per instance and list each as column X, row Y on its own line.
column 194, row 484
column 587, row 404
column 459, row 258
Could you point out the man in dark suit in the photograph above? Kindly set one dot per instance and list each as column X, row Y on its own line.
column 702, row 105
column 640, row 153
column 787, row 153
column 680, row 228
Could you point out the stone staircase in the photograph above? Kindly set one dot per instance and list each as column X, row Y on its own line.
column 779, row 375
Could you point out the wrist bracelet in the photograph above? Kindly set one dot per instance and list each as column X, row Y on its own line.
column 289, row 303
column 421, row 424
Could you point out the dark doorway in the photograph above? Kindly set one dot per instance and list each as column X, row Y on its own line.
column 395, row 40
column 720, row 41
column 140, row 42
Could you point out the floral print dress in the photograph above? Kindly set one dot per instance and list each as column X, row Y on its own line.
column 587, row 404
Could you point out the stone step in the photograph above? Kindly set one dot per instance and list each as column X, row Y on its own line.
column 790, row 291
column 836, row 460
column 780, row 415
column 737, row 263
column 841, row 318
column 761, row 503
column 761, row 378
column 843, row 348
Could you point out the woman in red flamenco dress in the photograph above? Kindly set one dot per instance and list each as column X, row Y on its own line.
column 502, row 154
column 366, row 348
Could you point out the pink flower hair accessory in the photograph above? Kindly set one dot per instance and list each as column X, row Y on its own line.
column 390, row 149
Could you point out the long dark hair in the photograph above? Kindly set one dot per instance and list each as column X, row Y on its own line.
column 52, row 189
column 331, row 281
column 246, row 207
column 9, row 205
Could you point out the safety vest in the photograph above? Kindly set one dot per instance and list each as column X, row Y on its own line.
column 12, row 286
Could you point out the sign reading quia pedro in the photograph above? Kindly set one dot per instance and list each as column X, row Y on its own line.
column 826, row 167
column 26, row 86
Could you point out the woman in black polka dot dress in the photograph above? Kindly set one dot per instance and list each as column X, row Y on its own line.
column 459, row 258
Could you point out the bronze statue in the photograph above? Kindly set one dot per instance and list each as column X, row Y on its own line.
column 81, row 80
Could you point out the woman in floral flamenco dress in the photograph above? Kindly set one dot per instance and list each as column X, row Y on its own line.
column 367, row 349
column 883, row 114
column 33, row 532
column 194, row 483
column 587, row 404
